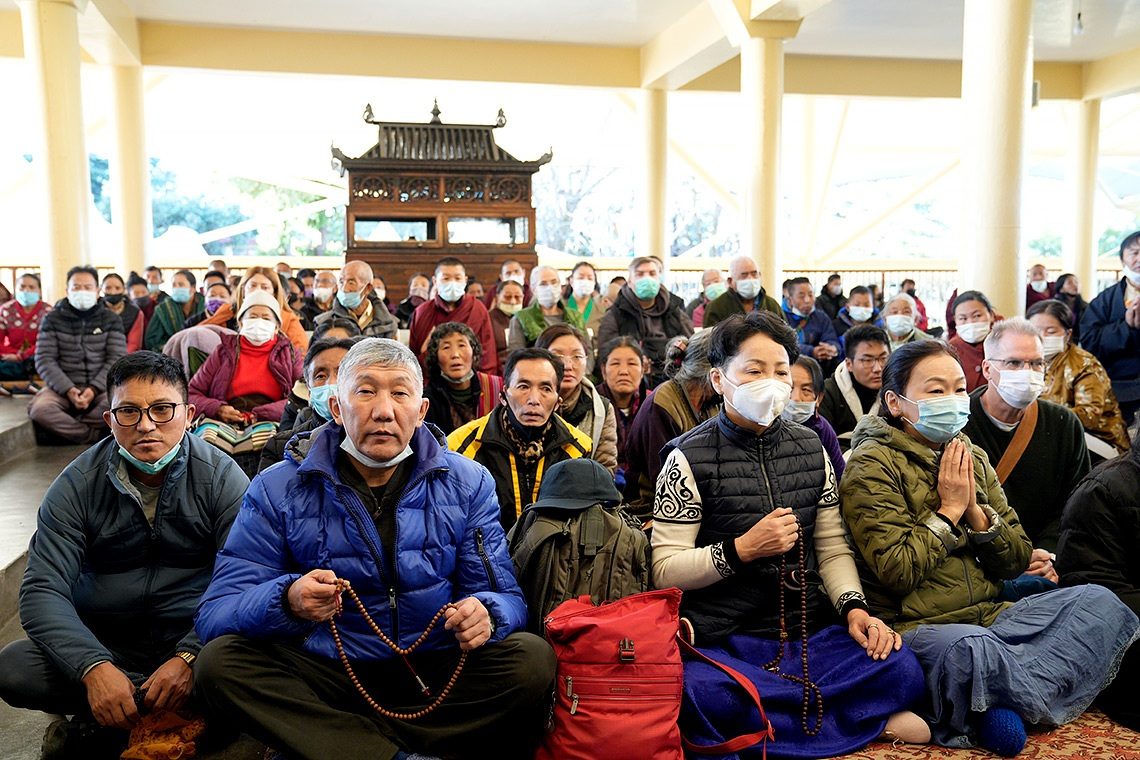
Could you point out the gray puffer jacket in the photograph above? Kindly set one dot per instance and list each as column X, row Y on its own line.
column 383, row 324
column 102, row 582
column 76, row 348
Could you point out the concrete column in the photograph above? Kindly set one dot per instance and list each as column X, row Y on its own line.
column 1081, row 253
column 762, row 88
column 996, row 80
column 653, row 240
column 51, row 48
column 130, row 171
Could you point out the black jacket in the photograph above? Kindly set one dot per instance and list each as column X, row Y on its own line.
column 1100, row 530
column 274, row 450
column 742, row 477
column 652, row 328
column 76, row 348
column 104, row 584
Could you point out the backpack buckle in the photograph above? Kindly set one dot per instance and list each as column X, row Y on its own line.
column 625, row 650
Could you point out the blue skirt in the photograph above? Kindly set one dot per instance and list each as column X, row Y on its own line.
column 859, row 694
column 1046, row 658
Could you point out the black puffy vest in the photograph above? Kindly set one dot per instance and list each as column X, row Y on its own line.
column 742, row 477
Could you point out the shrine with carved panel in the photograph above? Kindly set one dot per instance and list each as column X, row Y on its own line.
column 426, row 191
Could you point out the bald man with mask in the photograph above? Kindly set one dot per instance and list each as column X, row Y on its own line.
column 356, row 300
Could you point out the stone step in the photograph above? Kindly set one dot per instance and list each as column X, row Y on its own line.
column 16, row 434
column 23, row 481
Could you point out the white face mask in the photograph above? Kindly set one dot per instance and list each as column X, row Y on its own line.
column 1039, row 285
column 860, row 313
column 1052, row 345
column 258, row 331
column 1020, row 388
column 82, row 300
column 348, row 447
column 748, row 289
column 323, row 295
column 974, row 332
column 451, row 291
column 899, row 325
column 760, row 401
column 546, row 295
column 798, row 411
column 1133, row 277
column 582, row 288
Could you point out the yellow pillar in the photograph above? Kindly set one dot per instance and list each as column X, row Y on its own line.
column 51, row 48
column 654, row 116
column 130, row 171
column 762, row 88
column 1086, row 148
column 996, row 81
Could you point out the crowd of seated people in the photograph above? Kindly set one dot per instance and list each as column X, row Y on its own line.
column 960, row 563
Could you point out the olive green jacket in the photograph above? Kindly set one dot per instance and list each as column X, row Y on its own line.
column 915, row 567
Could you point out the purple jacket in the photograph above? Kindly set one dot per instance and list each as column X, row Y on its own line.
column 827, row 437
column 210, row 386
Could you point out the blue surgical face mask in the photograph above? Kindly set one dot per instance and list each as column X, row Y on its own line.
column 349, row 299
column 151, row 468
column 153, row 287
column 27, row 298
column 82, row 300
column 715, row 290
column 646, row 288
column 319, row 399
column 181, row 295
column 940, row 418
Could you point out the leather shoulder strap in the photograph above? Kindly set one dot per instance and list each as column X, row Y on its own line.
column 1019, row 443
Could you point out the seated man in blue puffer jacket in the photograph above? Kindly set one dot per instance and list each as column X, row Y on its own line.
column 372, row 503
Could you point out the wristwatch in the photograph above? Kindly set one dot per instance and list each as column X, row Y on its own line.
column 187, row 657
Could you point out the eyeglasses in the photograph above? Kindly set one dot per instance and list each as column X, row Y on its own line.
column 872, row 361
column 575, row 358
column 1017, row 364
column 129, row 416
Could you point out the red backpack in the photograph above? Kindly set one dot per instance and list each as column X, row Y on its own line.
column 617, row 693
column 618, row 690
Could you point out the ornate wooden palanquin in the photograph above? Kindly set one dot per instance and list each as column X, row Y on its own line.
column 426, row 191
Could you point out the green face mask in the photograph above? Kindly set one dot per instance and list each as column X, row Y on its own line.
column 151, row 468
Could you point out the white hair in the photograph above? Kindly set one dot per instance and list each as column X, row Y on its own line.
column 742, row 258
column 1011, row 326
column 901, row 296
column 377, row 352
column 536, row 274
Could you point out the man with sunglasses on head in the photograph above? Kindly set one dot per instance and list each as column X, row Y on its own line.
column 124, row 548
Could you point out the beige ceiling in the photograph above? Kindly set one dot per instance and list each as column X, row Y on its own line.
column 879, row 28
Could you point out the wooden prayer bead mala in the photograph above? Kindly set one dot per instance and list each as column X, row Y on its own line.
column 809, row 685
column 403, row 652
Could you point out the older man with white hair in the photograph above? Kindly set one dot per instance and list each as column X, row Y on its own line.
column 1037, row 447
column 545, row 310
column 745, row 293
column 364, row 605
column 356, row 300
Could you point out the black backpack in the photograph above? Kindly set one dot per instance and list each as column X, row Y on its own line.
column 562, row 553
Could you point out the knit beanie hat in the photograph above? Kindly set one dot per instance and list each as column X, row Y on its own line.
column 260, row 298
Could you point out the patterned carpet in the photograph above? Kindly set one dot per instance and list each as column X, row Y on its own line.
column 1091, row 737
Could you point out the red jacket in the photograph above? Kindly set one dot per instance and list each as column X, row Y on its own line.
column 431, row 314
column 209, row 388
column 19, row 327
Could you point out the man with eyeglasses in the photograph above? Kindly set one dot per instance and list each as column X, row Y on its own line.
column 124, row 548
column 1055, row 459
column 853, row 391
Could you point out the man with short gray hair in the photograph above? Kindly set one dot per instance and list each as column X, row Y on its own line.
column 1052, row 461
column 745, row 293
column 646, row 312
column 356, row 300
column 371, row 513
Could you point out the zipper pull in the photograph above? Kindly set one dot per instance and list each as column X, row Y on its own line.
column 574, row 705
column 569, row 686
column 392, row 597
